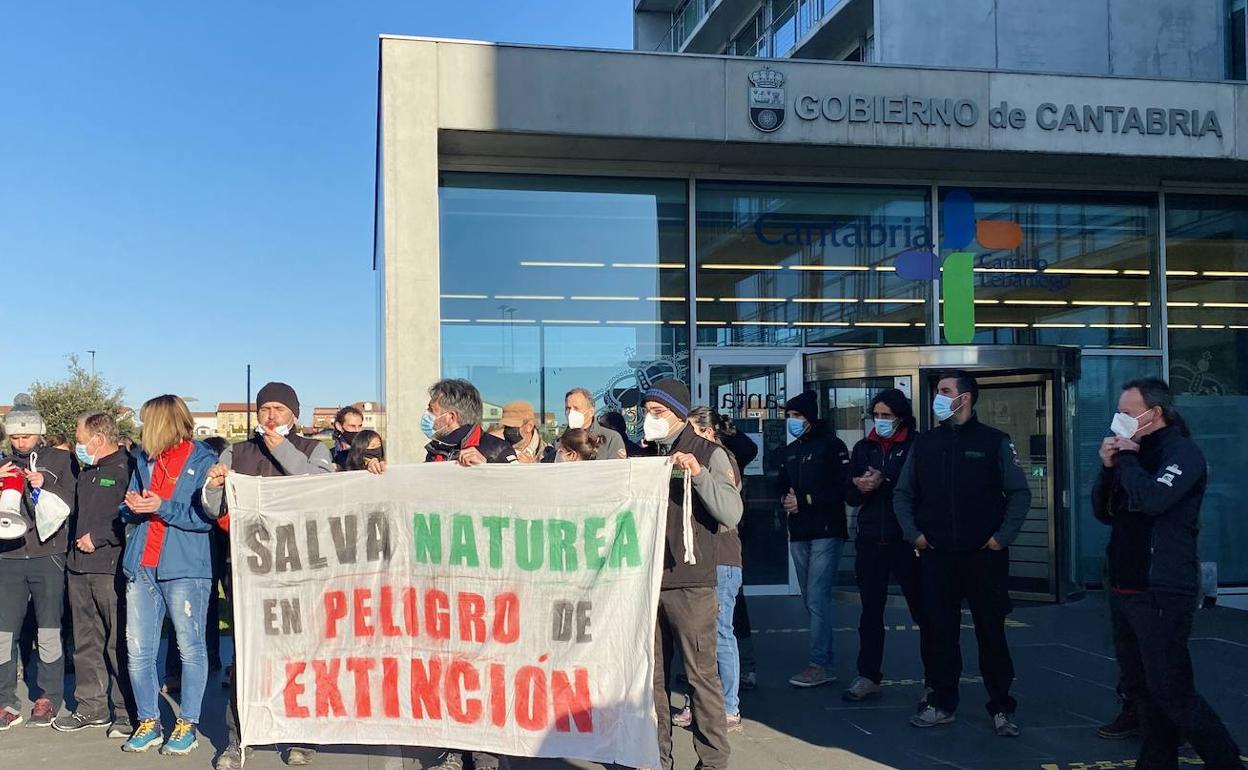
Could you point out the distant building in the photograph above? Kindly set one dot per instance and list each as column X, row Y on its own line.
column 205, row 424
column 232, row 419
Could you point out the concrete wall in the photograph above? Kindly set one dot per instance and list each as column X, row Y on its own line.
column 650, row 29
column 1180, row 39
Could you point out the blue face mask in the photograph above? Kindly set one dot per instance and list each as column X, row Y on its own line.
column 426, row 424
column 942, row 406
column 84, row 457
column 885, row 427
column 796, row 426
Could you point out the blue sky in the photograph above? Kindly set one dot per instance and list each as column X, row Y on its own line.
column 188, row 187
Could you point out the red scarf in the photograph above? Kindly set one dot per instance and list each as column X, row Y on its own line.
column 165, row 472
column 888, row 443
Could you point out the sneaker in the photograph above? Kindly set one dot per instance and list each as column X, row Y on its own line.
column 749, row 680
column 812, row 676
column 145, row 736
column 181, row 741
column 734, row 723
column 298, row 756
column 683, row 718
column 42, row 714
column 231, row 758
column 861, row 689
column 1125, row 725
column 931, row 716
column 1005, row 726
column 72, row 723
column 450, row 760
column 120, row 728
column 10, row 718
column 922, row 704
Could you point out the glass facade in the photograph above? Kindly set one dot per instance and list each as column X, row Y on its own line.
column 805, row 265
column 551, row 283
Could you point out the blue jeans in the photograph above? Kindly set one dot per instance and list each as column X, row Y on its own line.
column 816, row 562
column 185, row 601
column 728, row 583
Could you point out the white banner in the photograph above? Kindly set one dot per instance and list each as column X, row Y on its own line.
column 507, row 609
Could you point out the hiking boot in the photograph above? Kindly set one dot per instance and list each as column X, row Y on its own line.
column 734, row 723
column 749, row 681
column 231, row 758
column 1125, row 725
column 120, row 728
column 42, row 714
column 181, row 741
column 10, row 718
column 683, row 718
column 298, row 756
column 931, row 716
column 72, row 723
column 145, row 736
column 1004, row 725
column 861, row 689
column 813, row 676
column 450, row 760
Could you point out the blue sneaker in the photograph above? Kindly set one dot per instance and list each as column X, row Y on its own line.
column 144, row 737
column 181, row 740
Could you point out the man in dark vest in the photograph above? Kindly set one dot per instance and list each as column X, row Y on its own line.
column 277, row 449
column 688, row 604
column 961, row 499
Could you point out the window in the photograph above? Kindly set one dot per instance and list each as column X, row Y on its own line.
column 1058, row 268
column 1237, row 31
column 551, row 283
column 808, row 265
column 1207, row 307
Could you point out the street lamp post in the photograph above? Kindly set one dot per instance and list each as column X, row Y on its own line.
column 92, row 352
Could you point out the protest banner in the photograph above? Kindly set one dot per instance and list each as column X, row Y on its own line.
column 507, row 609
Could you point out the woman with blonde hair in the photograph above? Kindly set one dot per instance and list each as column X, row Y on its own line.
column 168, row 568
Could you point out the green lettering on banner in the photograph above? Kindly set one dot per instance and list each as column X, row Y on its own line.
column 496, row 525
column 624, row 546
column 529, row 544
column 427, row 538
column 463, row 542
column 562, row 545
column 958, row 287
column 594, row 543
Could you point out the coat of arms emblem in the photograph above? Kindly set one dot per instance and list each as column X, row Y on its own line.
column 766, row 99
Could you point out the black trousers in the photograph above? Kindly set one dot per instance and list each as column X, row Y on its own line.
column 687, row 619
column 40, row 581
column 1150, row 638
column 101, row 679
column 874, row 564
column 981, row 578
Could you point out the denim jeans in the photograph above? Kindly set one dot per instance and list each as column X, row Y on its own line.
column 148, row 601
column 728, row 583
column 816, row 562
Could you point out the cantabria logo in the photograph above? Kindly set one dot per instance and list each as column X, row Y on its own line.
column 766, row 99
column 960, row 235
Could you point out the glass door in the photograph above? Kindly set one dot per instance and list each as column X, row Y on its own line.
column 751, row 389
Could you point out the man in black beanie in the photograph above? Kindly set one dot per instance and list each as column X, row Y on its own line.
column 813, row 479
column 688, row 604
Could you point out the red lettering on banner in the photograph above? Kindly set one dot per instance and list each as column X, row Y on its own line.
column 328, row 696
column 388, row 628
column 293, row 689
column 459, row 677
column 531, row 701
column 335, row 610
column 409, row 612
column 506, row 618
column 572, row 701
column 437, row 615
column 363, row 699
column 472, row 617
column 390, row 687
column 498, row 694
column 425, row 689
column 362, row 611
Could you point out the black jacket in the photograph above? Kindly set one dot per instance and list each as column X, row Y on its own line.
column 961, row 486
column 815, row 468
column 58, row 481
column 741, row 447
column 1152, row 500
column 495, row 449
column 876, row 521
column 100, row 491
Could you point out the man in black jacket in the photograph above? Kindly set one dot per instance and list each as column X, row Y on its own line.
column 1150, row 491
column 813, row 479
column 32, row 567
column 96, row 590
column 961, row 500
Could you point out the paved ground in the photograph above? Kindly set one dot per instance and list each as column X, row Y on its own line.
column 1066, row 676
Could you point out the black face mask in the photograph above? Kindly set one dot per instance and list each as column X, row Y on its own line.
column 374, row 454
column 347, row 436
column 512, row 436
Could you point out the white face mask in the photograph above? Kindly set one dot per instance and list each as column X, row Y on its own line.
column 575, row 419
column 655, row 428
column 281, row 430
column 1126, row 426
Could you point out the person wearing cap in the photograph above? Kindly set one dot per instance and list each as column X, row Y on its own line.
column 813, row 477
column 520, row 430
column 32, row 564
column 277, row 449
column 581, row 412
column 688, row 602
